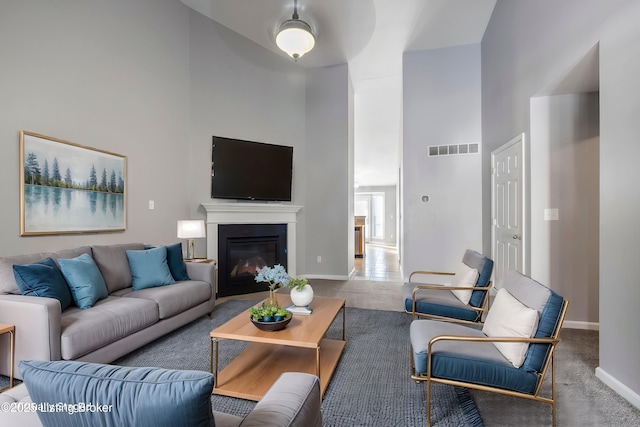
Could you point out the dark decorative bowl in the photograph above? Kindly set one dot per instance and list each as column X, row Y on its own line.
column 272, row 326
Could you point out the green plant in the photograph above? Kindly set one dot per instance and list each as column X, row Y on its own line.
column 269, row 310
column 297, row 283
column 258, row 313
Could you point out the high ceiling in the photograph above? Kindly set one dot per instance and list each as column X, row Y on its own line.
column 371, row 36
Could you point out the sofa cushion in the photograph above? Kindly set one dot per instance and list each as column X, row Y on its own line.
column 107, row 321
column 479, row 363
column 438, row 303
column 72, row 253
column 174, row 299
column 84, row 279
column 294, row 400
column 176, row 262
column 149, row 268
column 549, row 306
column 508, row 317
column 17, row 396
column 484, row 266
column 43, row 279
column 114, row 265
column 130, row 396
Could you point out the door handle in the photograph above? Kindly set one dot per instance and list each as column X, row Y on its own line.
column 517, row 237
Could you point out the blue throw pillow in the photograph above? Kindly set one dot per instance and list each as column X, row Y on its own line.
column 149, row 268
column 85, row 280
column 43, row 279
column 176, row 262
column 121, row 396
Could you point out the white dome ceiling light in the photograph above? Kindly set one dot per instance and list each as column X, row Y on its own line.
column 295, row 36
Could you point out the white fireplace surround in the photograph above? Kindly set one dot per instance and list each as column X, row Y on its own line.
column 252, row 213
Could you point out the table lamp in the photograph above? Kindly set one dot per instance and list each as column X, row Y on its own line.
column 191, row 229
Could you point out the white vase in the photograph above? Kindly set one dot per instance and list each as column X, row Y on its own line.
column 302, row 298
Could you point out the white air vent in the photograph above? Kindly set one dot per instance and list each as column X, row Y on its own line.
column 453, row 150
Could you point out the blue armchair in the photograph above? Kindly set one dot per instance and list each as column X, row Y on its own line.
column 510, row 355
column 443, row 302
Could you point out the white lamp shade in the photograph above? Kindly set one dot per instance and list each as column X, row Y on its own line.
column 295, row 38
column 191, row 229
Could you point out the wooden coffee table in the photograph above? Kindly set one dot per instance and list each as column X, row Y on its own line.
column 300, row 347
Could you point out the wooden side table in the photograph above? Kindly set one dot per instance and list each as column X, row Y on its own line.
column 201, row 260
column 10, row 329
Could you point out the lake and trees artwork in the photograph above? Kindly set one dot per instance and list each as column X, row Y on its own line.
column 70, row 188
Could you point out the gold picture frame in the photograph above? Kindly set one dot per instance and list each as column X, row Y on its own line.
column 68, row 188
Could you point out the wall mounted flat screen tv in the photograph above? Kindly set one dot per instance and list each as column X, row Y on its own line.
column 246, row 170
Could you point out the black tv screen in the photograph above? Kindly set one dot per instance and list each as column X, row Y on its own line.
column 247, row 170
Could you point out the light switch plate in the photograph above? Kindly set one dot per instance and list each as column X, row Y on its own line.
column 551, row 215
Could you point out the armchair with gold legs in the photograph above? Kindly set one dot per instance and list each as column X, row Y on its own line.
column 512, row 353
column 465, row 300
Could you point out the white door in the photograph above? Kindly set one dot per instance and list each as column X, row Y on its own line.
column 508, row 210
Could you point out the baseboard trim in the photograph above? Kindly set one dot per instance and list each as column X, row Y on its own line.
column 325, row 277
column 618, row 387
column 573, row 324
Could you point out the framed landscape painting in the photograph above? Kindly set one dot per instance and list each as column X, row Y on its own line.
column 69, row 188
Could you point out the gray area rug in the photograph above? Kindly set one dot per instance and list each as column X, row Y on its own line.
column 370, row 387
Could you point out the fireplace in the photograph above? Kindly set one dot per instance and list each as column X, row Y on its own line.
column 238, row 213
column 245, row 248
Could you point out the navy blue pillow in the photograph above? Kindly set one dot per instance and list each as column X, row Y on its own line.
column 43, row 279
column 176, row 262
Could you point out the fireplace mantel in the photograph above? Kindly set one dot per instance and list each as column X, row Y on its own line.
column 252, row 213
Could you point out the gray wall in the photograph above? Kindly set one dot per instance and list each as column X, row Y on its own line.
column 565, row 139
column 241, row 90
column 110, row 75
column 154, row 80
column 441, row 105
column 329, row 174
column 530, row 45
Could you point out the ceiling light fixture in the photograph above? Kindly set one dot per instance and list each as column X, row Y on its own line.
column 295, row 36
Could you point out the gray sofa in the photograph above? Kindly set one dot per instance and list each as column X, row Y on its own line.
column 114, row 326
column 144, row 397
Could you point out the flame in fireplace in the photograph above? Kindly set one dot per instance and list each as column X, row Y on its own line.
column 248, row 267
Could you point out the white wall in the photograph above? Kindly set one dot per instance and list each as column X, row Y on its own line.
column 110, row 75
column 329, row 175
column 529, row 45
column 441, row 106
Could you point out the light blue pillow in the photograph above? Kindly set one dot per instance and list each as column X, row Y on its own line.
column 149, row 268
column 84, row 279
column 128, row 396
column 43, row 279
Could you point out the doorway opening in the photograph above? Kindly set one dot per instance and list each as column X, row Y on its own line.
column 565, row 189
column 371, row 205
